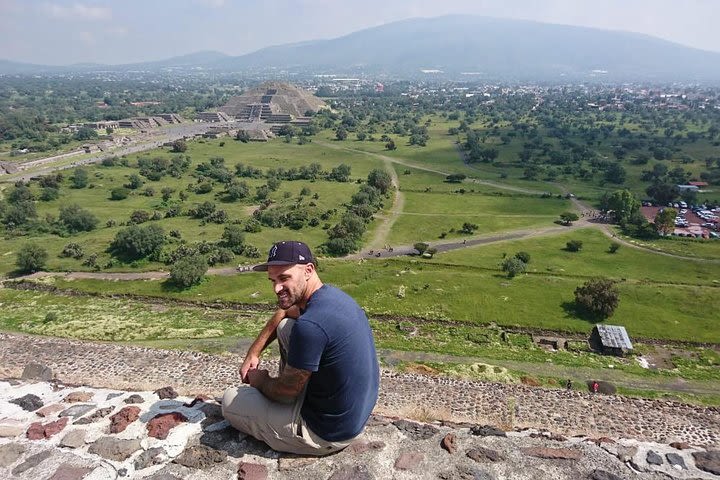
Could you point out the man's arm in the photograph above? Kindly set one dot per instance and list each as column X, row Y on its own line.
column 264, row 338
column 284, row 389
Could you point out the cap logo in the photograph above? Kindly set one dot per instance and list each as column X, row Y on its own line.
column 300, row 257
column 273, row 251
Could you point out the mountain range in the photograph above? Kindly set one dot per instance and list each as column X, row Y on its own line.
column 456, row 47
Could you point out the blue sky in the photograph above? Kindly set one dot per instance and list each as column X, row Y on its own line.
column 70, row 31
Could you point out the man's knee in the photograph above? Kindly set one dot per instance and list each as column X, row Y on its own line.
column 283, row 331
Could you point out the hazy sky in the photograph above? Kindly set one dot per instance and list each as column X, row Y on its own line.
column 103, row 31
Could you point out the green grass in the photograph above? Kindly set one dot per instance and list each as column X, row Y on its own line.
column 469, row 294
column 548, row 256
column 89, row 318
column 427, row 215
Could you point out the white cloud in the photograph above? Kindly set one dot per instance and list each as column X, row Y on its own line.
column 118, row 31
column 76, row 11
column 86, row 37
column 213, row 3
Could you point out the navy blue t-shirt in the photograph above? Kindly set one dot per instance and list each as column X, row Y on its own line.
column 332, row 339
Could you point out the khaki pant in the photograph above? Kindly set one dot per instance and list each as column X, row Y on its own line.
column 279, row 425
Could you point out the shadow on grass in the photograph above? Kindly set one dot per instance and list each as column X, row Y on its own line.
column 574, row 310
column 168, row 286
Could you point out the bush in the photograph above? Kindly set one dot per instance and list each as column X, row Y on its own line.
column 138, row 242
column 119, row 193
column 49, row 193
column 179, row 146
column 234, row 238
column 31, row 258
column 77, row 219
column 79, row 178
column 188, row 271
column 512, row 266
column 73, row 250
column 574, row 245
column 139, row 216
column 524, row 256
column 614, row 247
column 599, row 297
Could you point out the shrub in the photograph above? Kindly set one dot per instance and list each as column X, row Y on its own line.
column 138, row 242
column 512, row 266
column 234, row 238
column 188, row 271
column 614, row 247
column 79, row 178
column 139, row 216
column 574, row 245
column 77, row 219
column 598, row 297
column 49, row 193
column 31, row 258
column 73, row 250
column 524, row 256
column 179, row 146
column 119, row 193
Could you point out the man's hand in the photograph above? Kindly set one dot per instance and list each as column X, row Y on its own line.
column 251, row 362
column 257, row 378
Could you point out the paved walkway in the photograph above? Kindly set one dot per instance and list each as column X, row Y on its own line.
column 568, row 413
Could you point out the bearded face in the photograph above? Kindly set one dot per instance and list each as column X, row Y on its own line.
column 289, row 283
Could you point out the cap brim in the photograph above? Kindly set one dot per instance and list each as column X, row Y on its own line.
column 263, row 267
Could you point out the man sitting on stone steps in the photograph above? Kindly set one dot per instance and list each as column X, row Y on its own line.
column 329, row 376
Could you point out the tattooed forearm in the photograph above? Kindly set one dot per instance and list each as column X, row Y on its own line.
column 288, row 386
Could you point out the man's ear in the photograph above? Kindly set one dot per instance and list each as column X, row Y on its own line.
column 309, row 269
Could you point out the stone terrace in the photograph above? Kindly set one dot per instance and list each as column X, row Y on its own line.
column 509, row 406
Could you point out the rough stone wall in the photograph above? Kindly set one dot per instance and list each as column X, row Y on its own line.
column 511, row 406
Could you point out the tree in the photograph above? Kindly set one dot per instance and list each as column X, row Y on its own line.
column 341, row 133
column 598, row 297
column 167, row 193
column 665, row 221
column 134, row 182
column 663, row 193
column 513, row 266
column 179, row 146
column 237, row 190
column 622, row 204
column 568, row 217
column 31, row 258
column 85, row 133
column 242, row 136
column 574, row 245
column 188, row 271
column 77, row 219
column 390, row 145
column 341, row 173
column 234, row 238
column 615, row 173
column 380, row 179
column 138, row 242
column 79, row 178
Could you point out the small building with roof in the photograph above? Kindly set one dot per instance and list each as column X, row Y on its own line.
column 611, row 340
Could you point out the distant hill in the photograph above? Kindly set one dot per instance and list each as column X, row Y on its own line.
column 456, row 46
column 191, row 60
column 494, row 48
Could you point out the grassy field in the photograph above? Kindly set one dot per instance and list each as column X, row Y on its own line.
column 427, row 215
